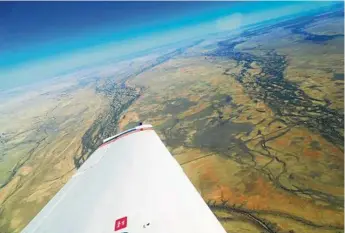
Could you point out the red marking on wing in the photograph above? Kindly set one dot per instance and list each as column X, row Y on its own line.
column 120, row 223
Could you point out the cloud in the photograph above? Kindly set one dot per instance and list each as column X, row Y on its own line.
column 230, row 22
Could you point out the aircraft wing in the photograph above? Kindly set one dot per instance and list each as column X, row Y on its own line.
column 130, row 184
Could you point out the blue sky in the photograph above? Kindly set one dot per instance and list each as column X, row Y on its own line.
column 41, row 39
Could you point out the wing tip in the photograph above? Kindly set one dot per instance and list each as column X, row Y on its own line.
column 139, row 127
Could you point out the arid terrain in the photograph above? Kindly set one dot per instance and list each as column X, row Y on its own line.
column 255, row 119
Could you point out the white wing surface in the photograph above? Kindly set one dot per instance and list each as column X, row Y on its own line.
column 130, row 184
